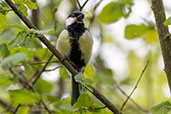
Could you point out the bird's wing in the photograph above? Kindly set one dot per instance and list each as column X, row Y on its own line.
column 63, row 43
column 86, row 43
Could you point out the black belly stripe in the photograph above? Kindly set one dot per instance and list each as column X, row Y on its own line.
column 75, row 55
column 75, row 32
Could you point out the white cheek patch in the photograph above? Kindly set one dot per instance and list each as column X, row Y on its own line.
column 70, row 21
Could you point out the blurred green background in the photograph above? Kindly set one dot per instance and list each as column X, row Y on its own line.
column 125, row 38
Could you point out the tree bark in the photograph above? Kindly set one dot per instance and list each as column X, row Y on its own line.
column 35, row 15
column 66, row 63
column 163, row 33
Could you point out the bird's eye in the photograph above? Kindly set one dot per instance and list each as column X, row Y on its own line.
column 72, row 15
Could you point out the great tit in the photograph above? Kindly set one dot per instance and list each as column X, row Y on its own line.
column 75, row 43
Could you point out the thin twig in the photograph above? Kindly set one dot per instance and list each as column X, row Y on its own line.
column 5, row 10
column 81, row 6
column 94, row 9
column 36, row 71
column 43, row 69
column 24, row 82
column 136, row 85
column 55, row 19
column 7, row 106
column 99, row 108
column 17, row 109
column 46, row 107
column 49, row 70
column 37, row 63
column 84, row 5
column 139, row 107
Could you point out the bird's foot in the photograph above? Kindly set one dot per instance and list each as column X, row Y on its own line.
column 63, row 58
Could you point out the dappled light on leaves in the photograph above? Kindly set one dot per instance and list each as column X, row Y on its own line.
column 33, row 80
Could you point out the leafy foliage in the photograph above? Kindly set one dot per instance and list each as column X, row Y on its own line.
column 86, row 105
column 148, row 33
column 43, row 86
column 4, row 50
column 29, row 4
column 89, row 72
column 23, row 96
column 133, row 31
column 19, row 39
column 113, row 11
column 167, row 21
column 3, row 19
column 23, row 110
column 63, row 73
column 14, row 59
column 162, row 108
column 85, row 82
column 23, row 56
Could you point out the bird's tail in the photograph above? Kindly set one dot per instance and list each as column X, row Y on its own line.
column 75, row 91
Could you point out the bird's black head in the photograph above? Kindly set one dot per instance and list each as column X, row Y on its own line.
column 75, row 17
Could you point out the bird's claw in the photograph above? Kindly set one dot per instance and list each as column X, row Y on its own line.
column 63, row 58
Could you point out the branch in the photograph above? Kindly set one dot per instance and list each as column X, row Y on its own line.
column 37, row 63
column 107, row 103
column 66, row 63
column 94, row 9
column 17, row 109
column 139, row 107
column 7, row 106
column 79, row 4
column 25, row 83
column 163, row 32
column 136, row 85
column 35, row 15
column 43, row 69
column 49, row 70
column 81, row 7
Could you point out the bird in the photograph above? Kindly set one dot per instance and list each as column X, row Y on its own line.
column 75, row 44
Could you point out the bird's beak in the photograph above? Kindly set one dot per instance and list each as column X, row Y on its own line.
column 79, row 19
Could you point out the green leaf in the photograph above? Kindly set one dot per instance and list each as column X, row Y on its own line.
column 24, row 96
column 28, row 68
column 6, row 26
column 133, row 31
column 63, row 73
column 86, row 82
column 84, row 100
column 66, row 107
column 23, row 8
column 13, row 60
column 23, row 110
column 89, row 72
column 162, row 108
column 4, row 4
column 53, row 100
column 43, row 86
column 3, row 20
column 5, row 81
column 4, row 50
column 78, row 77
column 167, row 21
column 26, row 50
column 18, row 39
column 151, row 36
column 112, row 12
column 42, row 32
column 29, row 4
